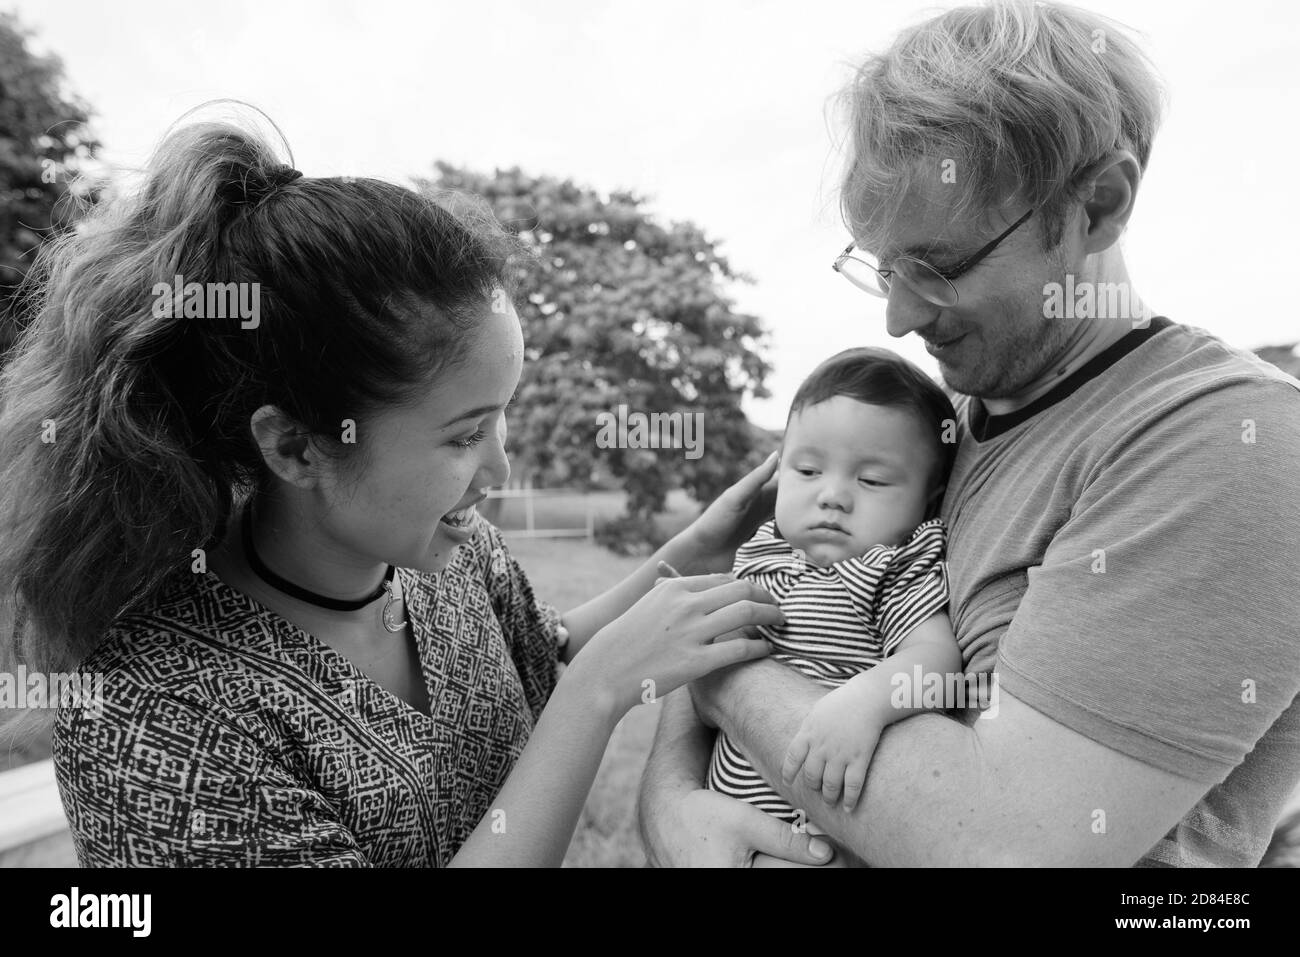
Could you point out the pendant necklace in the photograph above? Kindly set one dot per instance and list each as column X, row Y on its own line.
column 387, row 615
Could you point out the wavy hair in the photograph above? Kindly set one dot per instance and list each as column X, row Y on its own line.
column 1010, row 99
column 124, row 427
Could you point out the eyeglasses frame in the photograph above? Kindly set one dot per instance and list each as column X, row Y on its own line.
column 947, row 276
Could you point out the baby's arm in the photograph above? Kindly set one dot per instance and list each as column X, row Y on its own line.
column 835, row 743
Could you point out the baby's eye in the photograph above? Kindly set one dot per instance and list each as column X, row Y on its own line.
column 874, row 483
column 470, row 442
column 806, row 471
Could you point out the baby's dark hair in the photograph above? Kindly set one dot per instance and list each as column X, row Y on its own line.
column 881, row 377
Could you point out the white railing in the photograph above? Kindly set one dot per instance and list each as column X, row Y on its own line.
column 530, row 529
column 30, row 808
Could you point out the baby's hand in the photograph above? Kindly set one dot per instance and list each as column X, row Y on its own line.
column 834, row 746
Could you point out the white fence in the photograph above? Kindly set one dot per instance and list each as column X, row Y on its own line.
column 33, row 830
column 529, row 497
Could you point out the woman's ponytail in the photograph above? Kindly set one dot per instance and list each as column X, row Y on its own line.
column 225, row 283
column 103, row 494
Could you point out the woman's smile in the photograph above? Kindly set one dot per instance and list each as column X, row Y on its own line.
column 461, row 523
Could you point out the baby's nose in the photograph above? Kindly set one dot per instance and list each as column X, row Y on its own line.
column 832, row 495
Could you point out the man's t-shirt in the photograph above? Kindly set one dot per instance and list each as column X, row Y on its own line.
column 1125, row 555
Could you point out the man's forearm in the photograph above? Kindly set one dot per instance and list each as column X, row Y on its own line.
column 680, row 754
column 679, row 757
column 922, row 784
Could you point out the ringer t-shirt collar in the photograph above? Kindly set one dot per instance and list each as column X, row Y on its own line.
column 984, row 426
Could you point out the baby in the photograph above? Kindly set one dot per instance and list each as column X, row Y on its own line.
column 855, row 557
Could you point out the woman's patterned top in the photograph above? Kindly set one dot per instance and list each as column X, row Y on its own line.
column 229, row 736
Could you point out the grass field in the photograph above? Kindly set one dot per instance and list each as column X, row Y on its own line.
column 566, row 573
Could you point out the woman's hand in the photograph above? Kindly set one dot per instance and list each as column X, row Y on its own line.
column 708, row 545
column 710, row 542
column 681, row 629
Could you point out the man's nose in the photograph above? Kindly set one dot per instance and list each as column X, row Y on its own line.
column 905, row 311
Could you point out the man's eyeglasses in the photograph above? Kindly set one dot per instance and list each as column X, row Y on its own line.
column 863, row 270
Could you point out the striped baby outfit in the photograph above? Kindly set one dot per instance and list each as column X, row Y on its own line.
column 840, row 621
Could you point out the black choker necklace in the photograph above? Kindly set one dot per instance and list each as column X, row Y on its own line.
column 387, row 615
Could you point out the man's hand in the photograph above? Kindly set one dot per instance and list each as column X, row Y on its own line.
column 841, row 858
column 706, row 829
column 684, row 825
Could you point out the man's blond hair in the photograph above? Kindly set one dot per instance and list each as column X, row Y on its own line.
column 1006, row 99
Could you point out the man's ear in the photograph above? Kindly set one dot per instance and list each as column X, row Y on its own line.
column 1111, row 186
column 287, row 448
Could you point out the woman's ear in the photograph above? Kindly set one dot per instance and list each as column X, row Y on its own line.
column 287, row 448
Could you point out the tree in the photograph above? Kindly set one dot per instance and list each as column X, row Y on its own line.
column 619, row 310
column 43, row 143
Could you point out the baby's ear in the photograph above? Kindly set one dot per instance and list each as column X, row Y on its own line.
column 934, row 503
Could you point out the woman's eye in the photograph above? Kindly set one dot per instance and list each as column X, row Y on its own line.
column 470, row 442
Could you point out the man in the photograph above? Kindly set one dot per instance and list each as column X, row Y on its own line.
column 1124, row 510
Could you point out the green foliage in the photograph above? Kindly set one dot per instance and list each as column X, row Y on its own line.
column 43, row 142
column 620, row 309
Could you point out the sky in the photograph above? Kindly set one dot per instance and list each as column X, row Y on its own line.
column 719, row 111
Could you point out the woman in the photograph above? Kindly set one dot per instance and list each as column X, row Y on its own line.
column 250, row 508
